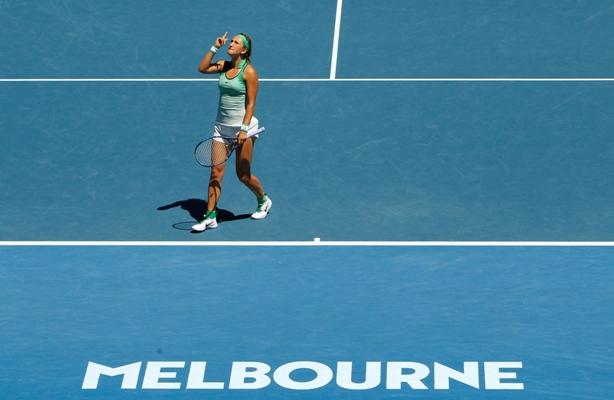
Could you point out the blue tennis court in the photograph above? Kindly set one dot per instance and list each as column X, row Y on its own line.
column 474, row 161
column 549, row 308
column 402, row 120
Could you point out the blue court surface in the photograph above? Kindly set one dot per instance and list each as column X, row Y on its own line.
column 342, row 160
column 548, row 308
column 398, row 120
column 430, row 161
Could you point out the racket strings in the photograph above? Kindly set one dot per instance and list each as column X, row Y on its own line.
column 212, row 152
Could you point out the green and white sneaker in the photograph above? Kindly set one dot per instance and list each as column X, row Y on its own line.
column 264, row 206
column 209, row 222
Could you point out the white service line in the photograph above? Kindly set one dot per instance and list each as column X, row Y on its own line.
column 308, row 243
column 333, row 61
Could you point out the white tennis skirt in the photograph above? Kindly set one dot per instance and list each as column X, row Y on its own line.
column 221, row 131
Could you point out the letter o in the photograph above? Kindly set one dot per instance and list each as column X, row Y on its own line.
column 323, row 375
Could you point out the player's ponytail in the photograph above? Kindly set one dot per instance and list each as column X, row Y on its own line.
column 249, row 47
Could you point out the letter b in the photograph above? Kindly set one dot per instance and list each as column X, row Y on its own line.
column 254, row 371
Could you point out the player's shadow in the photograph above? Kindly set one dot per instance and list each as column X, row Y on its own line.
column 197, row 208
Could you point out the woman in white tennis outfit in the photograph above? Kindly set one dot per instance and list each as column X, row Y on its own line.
column 238, row 85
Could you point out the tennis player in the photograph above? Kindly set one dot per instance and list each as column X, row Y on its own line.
column 238, row 85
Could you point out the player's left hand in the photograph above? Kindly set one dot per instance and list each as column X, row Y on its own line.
column 241, row 137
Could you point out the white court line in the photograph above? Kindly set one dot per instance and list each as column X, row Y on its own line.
column 314, row 242
column 31, row 80
column 333, row 61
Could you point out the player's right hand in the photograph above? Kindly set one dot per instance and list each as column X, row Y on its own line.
column 219, row 42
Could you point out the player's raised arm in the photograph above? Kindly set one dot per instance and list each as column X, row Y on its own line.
column 206, row 67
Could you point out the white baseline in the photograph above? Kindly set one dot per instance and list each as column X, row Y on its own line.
column 314, row 242
column 51, row 80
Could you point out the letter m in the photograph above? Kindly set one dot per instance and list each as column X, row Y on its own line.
column 129, row 371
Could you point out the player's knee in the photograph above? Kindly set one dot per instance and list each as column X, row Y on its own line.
column 215, row 181
column 216, row 175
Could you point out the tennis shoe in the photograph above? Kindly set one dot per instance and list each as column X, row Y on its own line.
column 263, row 209
column 206, row 223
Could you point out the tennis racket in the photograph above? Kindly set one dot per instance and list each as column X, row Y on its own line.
column 211, row 152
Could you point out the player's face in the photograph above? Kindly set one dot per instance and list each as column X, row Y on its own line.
column 236, row 46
